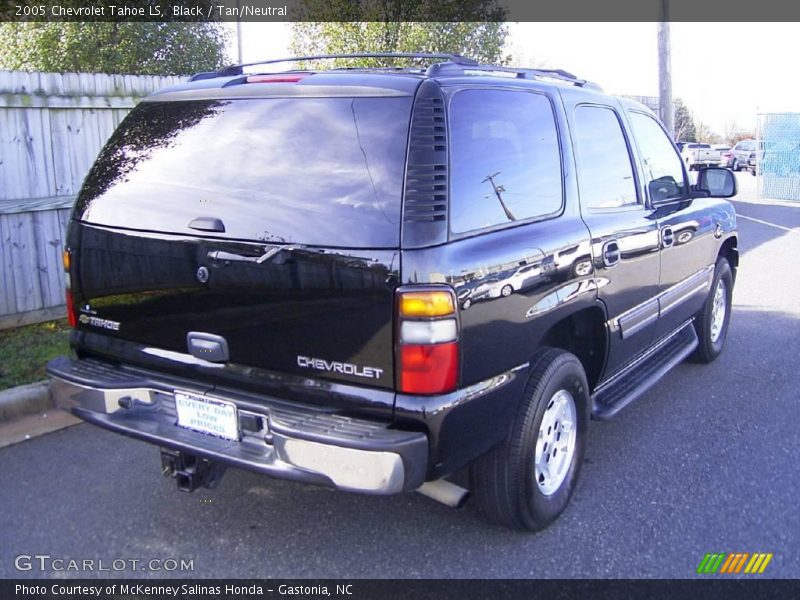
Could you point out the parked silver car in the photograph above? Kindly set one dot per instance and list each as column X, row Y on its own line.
column 740, row 153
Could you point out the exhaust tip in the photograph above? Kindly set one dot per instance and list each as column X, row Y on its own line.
column 445, row 492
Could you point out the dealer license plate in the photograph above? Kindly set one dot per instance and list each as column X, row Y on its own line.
column 214, row 417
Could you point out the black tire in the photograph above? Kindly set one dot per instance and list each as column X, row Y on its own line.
column 710, row 348
column 467, row 303
column 735, row 166
column 503, row 481
column 506, row 291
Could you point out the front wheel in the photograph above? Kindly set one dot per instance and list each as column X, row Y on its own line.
column 711, row 322
column 506, row 291
column 527, row 481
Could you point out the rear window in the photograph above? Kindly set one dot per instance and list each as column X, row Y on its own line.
column 317, row 171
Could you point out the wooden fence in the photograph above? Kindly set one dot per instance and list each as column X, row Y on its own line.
column 52, row 127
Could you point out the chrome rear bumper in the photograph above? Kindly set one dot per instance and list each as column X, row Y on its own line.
column 276, row 438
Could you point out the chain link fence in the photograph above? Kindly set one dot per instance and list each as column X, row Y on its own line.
column 778, row 156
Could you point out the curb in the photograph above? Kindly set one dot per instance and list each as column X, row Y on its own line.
column 25, row 400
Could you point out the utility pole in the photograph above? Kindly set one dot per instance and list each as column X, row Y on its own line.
column 239, row 41
column 498, row 191
column 238, row 33
column 666, row 109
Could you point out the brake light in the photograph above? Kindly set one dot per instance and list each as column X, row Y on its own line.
column 72, row 316
column 279, row 78
column 428, row 348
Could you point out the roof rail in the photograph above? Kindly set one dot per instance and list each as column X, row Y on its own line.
column 454, row 69
column 234, row 70
column 453, row 65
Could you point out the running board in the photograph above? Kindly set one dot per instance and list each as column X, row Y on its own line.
column 644, row 373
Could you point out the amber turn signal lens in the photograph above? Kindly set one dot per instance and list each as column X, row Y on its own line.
column 66, row 259
column 427, row 304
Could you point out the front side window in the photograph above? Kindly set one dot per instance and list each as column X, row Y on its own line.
column 504, row 159
column 662, row 166
column 605, row 172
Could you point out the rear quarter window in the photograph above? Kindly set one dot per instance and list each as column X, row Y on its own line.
column 505, row 160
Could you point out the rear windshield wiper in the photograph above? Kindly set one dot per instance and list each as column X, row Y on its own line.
column 223, row 256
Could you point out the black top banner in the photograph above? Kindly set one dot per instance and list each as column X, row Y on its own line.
column 401, row 10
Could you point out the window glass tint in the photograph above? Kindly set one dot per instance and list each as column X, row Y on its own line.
column 317, row 171
column 504, row 158
column 605, row 174
column 662, row 166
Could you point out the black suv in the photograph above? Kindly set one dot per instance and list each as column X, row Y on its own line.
column 371, row 278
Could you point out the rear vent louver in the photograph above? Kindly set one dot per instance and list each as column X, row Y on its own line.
column 426, row 175
column 426, row 193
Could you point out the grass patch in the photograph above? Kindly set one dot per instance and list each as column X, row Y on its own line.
column 24, row 351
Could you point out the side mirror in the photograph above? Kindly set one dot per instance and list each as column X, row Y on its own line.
column 716, row 182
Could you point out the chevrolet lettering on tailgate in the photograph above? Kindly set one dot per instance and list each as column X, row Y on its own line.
column 333, row 366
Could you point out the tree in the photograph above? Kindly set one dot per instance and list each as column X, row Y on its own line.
column 685, row 129
column 474, row 28
column 733, row 133
column 482, row 41
column 120, row 47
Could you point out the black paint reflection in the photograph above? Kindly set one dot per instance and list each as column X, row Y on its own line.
column 300, row 170
column 330, row 304
column 147, row 129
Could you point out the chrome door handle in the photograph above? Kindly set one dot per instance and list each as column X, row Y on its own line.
column 667, row 237
column 611, row 253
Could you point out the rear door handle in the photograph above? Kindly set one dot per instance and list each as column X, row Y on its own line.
column 207, row 346
column 611, row 253
column 667, row 237
column 207, row 224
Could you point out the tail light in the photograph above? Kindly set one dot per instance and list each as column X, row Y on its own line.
column 72, row 316
column 428, row 350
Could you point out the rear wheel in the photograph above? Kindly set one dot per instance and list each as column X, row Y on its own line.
column 711, row 323
column 735, row 166
column 506, row 291
column 527, row 481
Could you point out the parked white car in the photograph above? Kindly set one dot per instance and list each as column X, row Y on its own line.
column 698, row 155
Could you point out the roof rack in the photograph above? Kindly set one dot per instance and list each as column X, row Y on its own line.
column 454, row 69
column 453, row 65
column 234, row 70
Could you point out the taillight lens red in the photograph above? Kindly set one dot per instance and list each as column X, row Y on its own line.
column 72, row 316
column 427, row 336
column 428, row 368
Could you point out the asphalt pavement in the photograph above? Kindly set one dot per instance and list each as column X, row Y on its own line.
column 708, row 461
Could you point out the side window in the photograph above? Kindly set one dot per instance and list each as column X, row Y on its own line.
column 505, row 160
column 605, row 172
column 662, row 166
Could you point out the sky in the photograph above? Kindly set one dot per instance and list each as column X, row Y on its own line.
column 725, row 72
